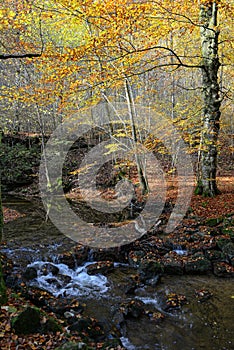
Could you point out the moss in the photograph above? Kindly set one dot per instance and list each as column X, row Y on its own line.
column 27, row 322
column 52, row 326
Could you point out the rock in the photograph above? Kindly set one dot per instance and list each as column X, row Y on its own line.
column 133, row 308
column 88, row 326
column 53, row 281
column 174, row 301
column 29, row 274
column 112, row 344
column 214, row 221
column 68, row 259
column 173, row 264
column 64, row 279
column 135, row 257
column 197, row 263
column 27, row 322
column 214, row 255
column 81, row 254
column 221, row 242
column 222, row 269
column 116, row 254
column 203, row 295
column 228, row 250
column 150, row 267
column 61, row 305
column 77, row 256
column 52, row 326
column 49, row 268
column 102, row 267
column 73, row 346
column 39, row 297
column 153, row 281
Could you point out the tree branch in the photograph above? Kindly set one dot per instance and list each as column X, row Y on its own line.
column 24, row 55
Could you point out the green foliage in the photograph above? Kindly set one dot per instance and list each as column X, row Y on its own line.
column 17, row 163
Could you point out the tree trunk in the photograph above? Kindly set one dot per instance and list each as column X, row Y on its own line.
column 3, row 297
column 138, row 157
column 207, row 162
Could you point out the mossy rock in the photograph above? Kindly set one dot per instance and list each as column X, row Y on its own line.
column 197, row 264
column 27, row 322
column 222, row 242
column 149, row 268
column 52, row 325
column 214, row 221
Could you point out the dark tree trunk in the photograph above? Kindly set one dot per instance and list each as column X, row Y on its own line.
column 3, row 297
column 207, row 162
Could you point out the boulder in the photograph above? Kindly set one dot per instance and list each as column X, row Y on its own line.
column 102, row 267
column 88, row 327
column 150, row 266
column 27, row 322
column 173, row 264
column 223, row 269
column 132, row 309
column 197, row 263
column 48, row 268
column 29, row 274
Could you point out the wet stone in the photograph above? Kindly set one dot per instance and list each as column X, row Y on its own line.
column 202, row 295
column 228, row 250
column 61, row 305
column 49, row 268
column 102, row 267
column 88, row 326
column 135, row 257
column 222, row 242
column 30, row 273
column 133, row 308
column 174, row 301
column 197, row 263
column 173, row 264
column 150, row 267
column 37, row 296
column 214, row 255
column 222, row 269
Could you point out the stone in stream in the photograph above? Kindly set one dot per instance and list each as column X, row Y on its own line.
column 173, row 263
column 30, row 273
column 197, row 263
column 222, row 269
column 132, row 308
column 88, row 326
column 76, row 257
column 48, row 268
column 150, row 266
column 102, row 267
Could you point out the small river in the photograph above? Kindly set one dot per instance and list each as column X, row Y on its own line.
column 208, row 325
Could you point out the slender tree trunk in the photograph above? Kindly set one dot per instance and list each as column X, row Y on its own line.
column 3, row 297
column 138, row 157
column 211, row 112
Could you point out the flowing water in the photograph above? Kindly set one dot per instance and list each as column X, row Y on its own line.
column 196, row 325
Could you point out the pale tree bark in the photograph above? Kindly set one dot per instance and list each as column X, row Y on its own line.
column 207, row 166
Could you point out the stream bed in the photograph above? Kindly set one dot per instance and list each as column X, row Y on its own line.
column 198, row 324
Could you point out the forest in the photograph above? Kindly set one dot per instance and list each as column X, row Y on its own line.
column 116, row 174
